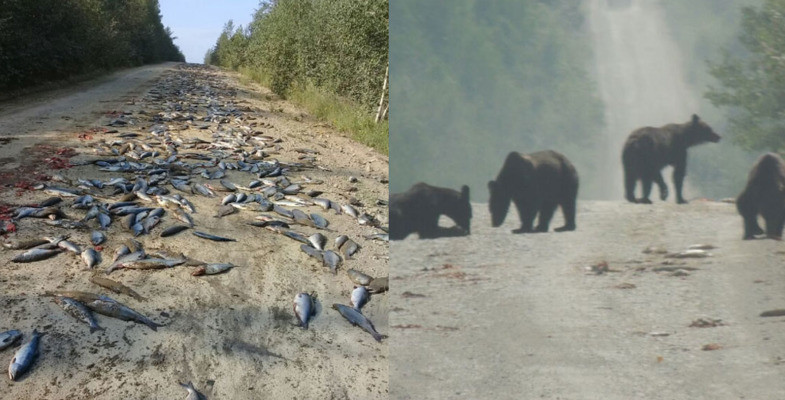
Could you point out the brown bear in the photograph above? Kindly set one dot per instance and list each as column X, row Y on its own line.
column 648, row 150
column 764, row 195
column 537, row 183
column 418, row 210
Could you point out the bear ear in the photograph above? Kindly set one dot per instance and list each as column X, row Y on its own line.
column 695, row 118
column 465, row 192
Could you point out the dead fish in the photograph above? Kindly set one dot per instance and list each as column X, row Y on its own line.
column 690, row 254
column 349, row 247
column 323, row 203
column 225, row 210
column 302, row 218
column 347, row 208
column 212, row 269
column 379, row 285
column 121, row 251
column 173, row 230
column 136, row 255
column 319, row 221
column 67, row 224
column 230, row 198
column 24, row 357
column 52, row 201
column 304, row 309
column 317, row 254
column 91, row 258
column 152, row 263
column 296, row 236
column 331, row 260
column 208, row 236
column 340, row 240
column 360, row 297
column 318, row 241
column 282, row 211
column 67, row 245
column 228, row 185
column 97, row 238
column 112, row 308
column 704, row 246
column 359, row 277
column 78, row 311
column 183, row 216
column 116, row 287
column 36, row 255
column 25, row 244
column 8, row 338
column 193, row 394
column 104, row 220
column 356, row 318
column 150, row 222
column 204, row 191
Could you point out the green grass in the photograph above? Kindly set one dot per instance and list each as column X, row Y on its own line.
column 343, row 114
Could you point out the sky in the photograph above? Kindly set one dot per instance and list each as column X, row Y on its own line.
column 196, row 24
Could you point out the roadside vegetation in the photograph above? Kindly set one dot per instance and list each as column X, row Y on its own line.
column 52, row 40
column 329, row 57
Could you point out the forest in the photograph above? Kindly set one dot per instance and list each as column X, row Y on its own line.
column 51, row 40
column 475, row 80
column 329, row 56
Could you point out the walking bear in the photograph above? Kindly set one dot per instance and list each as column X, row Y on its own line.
column 648, row 150
column 418, row 210
column 764, row 195
column 537, row 183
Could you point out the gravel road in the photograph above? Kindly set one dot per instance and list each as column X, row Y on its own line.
column 505, row 316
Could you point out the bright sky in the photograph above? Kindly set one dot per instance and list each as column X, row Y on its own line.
column 197, row 23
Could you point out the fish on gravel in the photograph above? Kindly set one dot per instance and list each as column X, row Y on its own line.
column 349, row 247
column 384, row 237
column 116, row 287
column 70, row 246
column 348, row 209
column 36, row 255
column 134, row 256
column 8, row 338
column 319, row 221
column 304, row 308
column 317, row 254
column 359, row 277
column 78, row 311
column 91, row 258
column 67, row 224
column 183, row 217
column 318, row 241
column 121, row 251
column 97, row 238
column 212, row 269
column 360, row 297
column 331, row 260
column 173, row 230
column 24, row 357
column 112, row 308
column 379, row 285
column 152, row 263
column 193, row 394
column 356, row 318
column 208, row 236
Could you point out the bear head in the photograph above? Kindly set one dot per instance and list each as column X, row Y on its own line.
column 698, row 132
column 461, row 211
column 498, row 203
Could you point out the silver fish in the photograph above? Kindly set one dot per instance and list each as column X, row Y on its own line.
column 318, row 241
column 358, row 319
column 360, row 297
column 78, row 311
column 304, row 309
column 319, row 221
column 331, row 260
column 317, row 254
column 173, row 230
column 36, row 255
column 347, row 208
column 91, row 258
column 112, row 308
column 359, row 277
column 212, row 269
column 24, row 357
column 97, row 238
column 72, row 247
column 208, row 236
column 121, row 251
column 193, row 394
column 8, row 338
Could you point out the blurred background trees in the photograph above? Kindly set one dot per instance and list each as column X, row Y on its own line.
column 48, row 40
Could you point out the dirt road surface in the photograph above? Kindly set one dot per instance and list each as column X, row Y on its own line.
column 505, row 316
column 232, row 334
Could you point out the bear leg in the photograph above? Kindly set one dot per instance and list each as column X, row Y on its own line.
column 630, row 179
column 527, row 214
column 546, row 213
column 568, row 209
column 647, row 181
column 679, row 171
column 774, row 223
column 661, row 183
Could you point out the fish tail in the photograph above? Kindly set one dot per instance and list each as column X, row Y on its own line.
column 95, row 328
column 377, row 336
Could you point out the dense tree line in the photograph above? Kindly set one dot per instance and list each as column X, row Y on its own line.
column 475, row 80
column 336, row 45
column 46, row 40
column 752, row 82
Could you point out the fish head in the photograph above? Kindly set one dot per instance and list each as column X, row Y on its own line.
column 13, row 369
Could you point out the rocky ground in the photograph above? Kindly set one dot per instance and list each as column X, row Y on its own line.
column 232, row 334
column 600, row 313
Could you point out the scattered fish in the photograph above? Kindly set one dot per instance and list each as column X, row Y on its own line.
column 359, row 277
column 212, row 237
column 24, row 357
column 360, row 297
column 379, row 285
column 36, row 255
column 173, row 230
column 116, row 287
column 212, row 269
column 8, row 338
column 304, row 308
column 112, row 308
column 78, row 311
column 91, row 258
column 358, row 319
